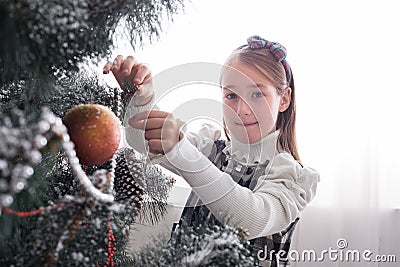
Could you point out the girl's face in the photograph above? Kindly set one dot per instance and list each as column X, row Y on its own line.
column 250, row 103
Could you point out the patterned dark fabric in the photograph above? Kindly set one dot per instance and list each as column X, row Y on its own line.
column 264, row 249
column 277, row 50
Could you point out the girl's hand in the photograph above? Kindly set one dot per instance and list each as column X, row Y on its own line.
column 129, row 70
column 162, row 130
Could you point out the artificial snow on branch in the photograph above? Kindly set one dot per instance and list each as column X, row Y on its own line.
column 48, row 37
column 25, row 141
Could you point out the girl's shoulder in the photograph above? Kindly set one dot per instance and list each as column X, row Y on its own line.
column 284, row 164
column 287, row 172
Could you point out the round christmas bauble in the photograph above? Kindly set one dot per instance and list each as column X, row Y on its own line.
column 95, row 131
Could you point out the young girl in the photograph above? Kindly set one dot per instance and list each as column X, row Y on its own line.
column 256, row 181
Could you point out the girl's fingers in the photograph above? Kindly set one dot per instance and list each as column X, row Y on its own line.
column 148, row 119
column 153, row 113
column 146, row 88
column 154, row 123
column 153, row 134
column 161, row 146
column 116, row 66
column 107, row 67
column 143, row 71
column 147, row 124
column 156, row 146
column 162, row 131
column 128, row 65
column 129, row 70
column 137, row 120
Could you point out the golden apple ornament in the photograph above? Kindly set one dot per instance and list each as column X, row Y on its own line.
column 95, row 131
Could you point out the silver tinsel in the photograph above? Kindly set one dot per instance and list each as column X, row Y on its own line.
column 20, row 150
column 20, row 146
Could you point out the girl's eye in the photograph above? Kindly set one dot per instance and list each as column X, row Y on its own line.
column 231, row 96
column 258, row 94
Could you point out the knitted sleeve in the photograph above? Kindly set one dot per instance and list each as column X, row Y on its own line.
column 277, row 200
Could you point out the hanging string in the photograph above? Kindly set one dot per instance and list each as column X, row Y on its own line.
column 34, row 212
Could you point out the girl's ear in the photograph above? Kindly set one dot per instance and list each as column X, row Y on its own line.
column 285, row 99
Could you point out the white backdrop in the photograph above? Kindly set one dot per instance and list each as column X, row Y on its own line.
column 345, row 57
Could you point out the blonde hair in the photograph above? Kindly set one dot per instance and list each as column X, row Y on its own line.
column 263, row 61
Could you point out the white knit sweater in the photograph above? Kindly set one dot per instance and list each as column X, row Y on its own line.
column 278, row 198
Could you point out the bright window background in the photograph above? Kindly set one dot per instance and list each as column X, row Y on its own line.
column 345, row 57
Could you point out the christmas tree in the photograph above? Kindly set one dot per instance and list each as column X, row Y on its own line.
column 55, row 210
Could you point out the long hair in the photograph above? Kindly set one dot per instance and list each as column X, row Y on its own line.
column 263, row 61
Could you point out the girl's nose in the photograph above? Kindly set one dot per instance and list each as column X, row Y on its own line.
column 243, row 107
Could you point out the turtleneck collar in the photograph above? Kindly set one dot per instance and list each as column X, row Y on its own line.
column 254, row 153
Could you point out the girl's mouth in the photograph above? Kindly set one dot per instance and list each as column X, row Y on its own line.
column 247, row 124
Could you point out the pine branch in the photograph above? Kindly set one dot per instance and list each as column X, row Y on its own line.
column 44, row 39
column 67, row 234
column 143, row 185
column 152, row 212
column 205, row 245
column 44, row 44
